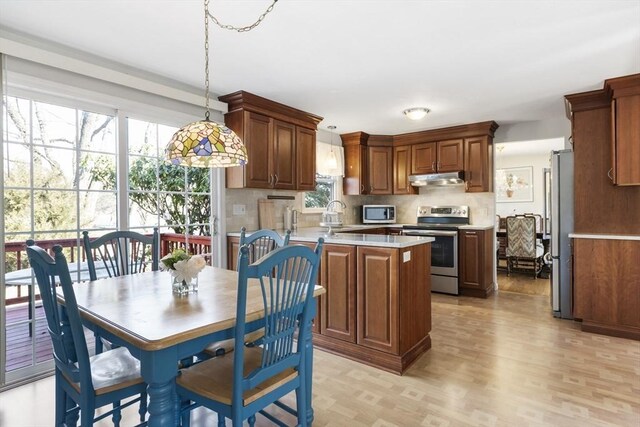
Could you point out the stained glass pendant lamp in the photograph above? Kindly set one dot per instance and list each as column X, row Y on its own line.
column 205, row 143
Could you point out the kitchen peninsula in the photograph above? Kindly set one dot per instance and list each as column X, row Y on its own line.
column 377, row 306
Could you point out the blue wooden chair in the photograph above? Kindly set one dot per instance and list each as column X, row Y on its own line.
column 121, row 252
column 240, row 384
column 83, row 383
column 259, row 244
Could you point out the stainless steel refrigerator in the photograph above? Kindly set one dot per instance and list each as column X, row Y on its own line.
column 561, row 225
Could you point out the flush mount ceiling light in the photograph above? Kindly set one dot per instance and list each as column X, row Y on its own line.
column 416, row 113
column 205, row 143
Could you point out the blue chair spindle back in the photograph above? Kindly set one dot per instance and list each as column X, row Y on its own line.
column 261, row 242
column 287, row 277
column 65, row 326
column 122, row 252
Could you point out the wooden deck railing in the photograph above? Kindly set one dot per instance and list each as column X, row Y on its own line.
column 16, row 257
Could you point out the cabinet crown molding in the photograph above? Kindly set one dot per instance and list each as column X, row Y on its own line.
column 601, row 98
column 242, row 100
column 433, row 135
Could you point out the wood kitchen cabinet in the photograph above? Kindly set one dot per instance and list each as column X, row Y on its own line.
column 478, row 164
column 437, row 157
column 368, row 168
column 377, row 292
column 280, row 143
column 606, row 286
column 338, row 268
column 476, row 262
column 402, row 170
column 625, row 125
column 355, row 163
column 377, row 308
column 380, row 164
column 305, row 159
column 600, row 207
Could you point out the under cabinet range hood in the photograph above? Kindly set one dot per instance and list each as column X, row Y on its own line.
column 449, row 178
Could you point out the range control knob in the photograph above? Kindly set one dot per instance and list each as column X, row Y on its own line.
column 464, row 212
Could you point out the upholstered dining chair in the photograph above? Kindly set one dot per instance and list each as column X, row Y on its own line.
column 122, row 252
column 523, row 249
column 242, row 383
column 82, row 383
column 259, row 244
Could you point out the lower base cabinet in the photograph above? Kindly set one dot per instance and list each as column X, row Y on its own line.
column 476, row 263
column 606, row 286
column 377, row 306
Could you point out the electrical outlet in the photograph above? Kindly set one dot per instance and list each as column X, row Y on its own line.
column 239, row 209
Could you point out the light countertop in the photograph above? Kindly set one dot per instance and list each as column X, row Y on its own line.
column 312, row 234
column 604, row 236
column 476, row 227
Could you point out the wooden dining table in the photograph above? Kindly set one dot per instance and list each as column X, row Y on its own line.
column 159, row 328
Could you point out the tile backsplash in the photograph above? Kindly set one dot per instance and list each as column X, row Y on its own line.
column 481, row 206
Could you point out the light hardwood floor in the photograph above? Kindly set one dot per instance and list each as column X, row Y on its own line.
column 504, row 361
column 523, row 284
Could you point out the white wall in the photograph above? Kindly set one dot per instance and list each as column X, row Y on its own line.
column 521, row 154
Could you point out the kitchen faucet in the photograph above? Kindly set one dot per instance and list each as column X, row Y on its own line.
column 330, row 205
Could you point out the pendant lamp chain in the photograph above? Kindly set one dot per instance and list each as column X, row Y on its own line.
column 204, row 143
column 206, row 59
column 248, row 27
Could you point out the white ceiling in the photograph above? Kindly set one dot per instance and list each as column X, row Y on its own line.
column 360, row 63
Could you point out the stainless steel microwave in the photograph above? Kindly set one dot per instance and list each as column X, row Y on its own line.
column 378, row 214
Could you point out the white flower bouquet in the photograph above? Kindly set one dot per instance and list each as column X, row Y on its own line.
column 183, row 267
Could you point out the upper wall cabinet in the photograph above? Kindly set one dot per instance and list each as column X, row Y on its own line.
column 625, row 126
column 280, row 141
column 377, row 164
column 436, row 157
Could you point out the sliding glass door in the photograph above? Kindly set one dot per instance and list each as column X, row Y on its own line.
column 53, row 158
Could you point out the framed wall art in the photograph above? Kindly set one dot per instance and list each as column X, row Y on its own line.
column 514, row 184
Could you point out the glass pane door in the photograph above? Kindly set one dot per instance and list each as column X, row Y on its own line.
column 53, row 159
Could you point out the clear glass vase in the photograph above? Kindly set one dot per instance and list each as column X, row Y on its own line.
column 182, row 287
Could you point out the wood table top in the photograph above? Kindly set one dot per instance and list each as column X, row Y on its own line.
column 142, row 309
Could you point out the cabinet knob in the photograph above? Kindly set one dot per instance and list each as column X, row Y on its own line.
column 275, row 181
column 609, row 172
column 433, row 166
column 362, row 188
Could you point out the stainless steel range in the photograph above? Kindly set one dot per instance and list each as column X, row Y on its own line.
column 441, row 223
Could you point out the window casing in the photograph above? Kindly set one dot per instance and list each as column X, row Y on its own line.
column 327, row 189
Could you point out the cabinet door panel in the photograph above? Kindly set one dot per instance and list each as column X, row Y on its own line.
column 450, row 155
column 305, row 159
column 233, row 247
column 478, row 165
column 258, row 137
column 471, row 250
column 355, row 170
column 423, row 158
column 380, row 165
column 378, row 298
column 402, row 170
column 626, row 141
column 338, row 275
column 284, row 153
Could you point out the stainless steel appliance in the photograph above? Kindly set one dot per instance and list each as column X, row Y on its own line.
column 441, row 223
column 378, row 214
column 561, row 226
column 439, row 179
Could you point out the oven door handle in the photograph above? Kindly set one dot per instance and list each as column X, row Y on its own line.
column 429, row 233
